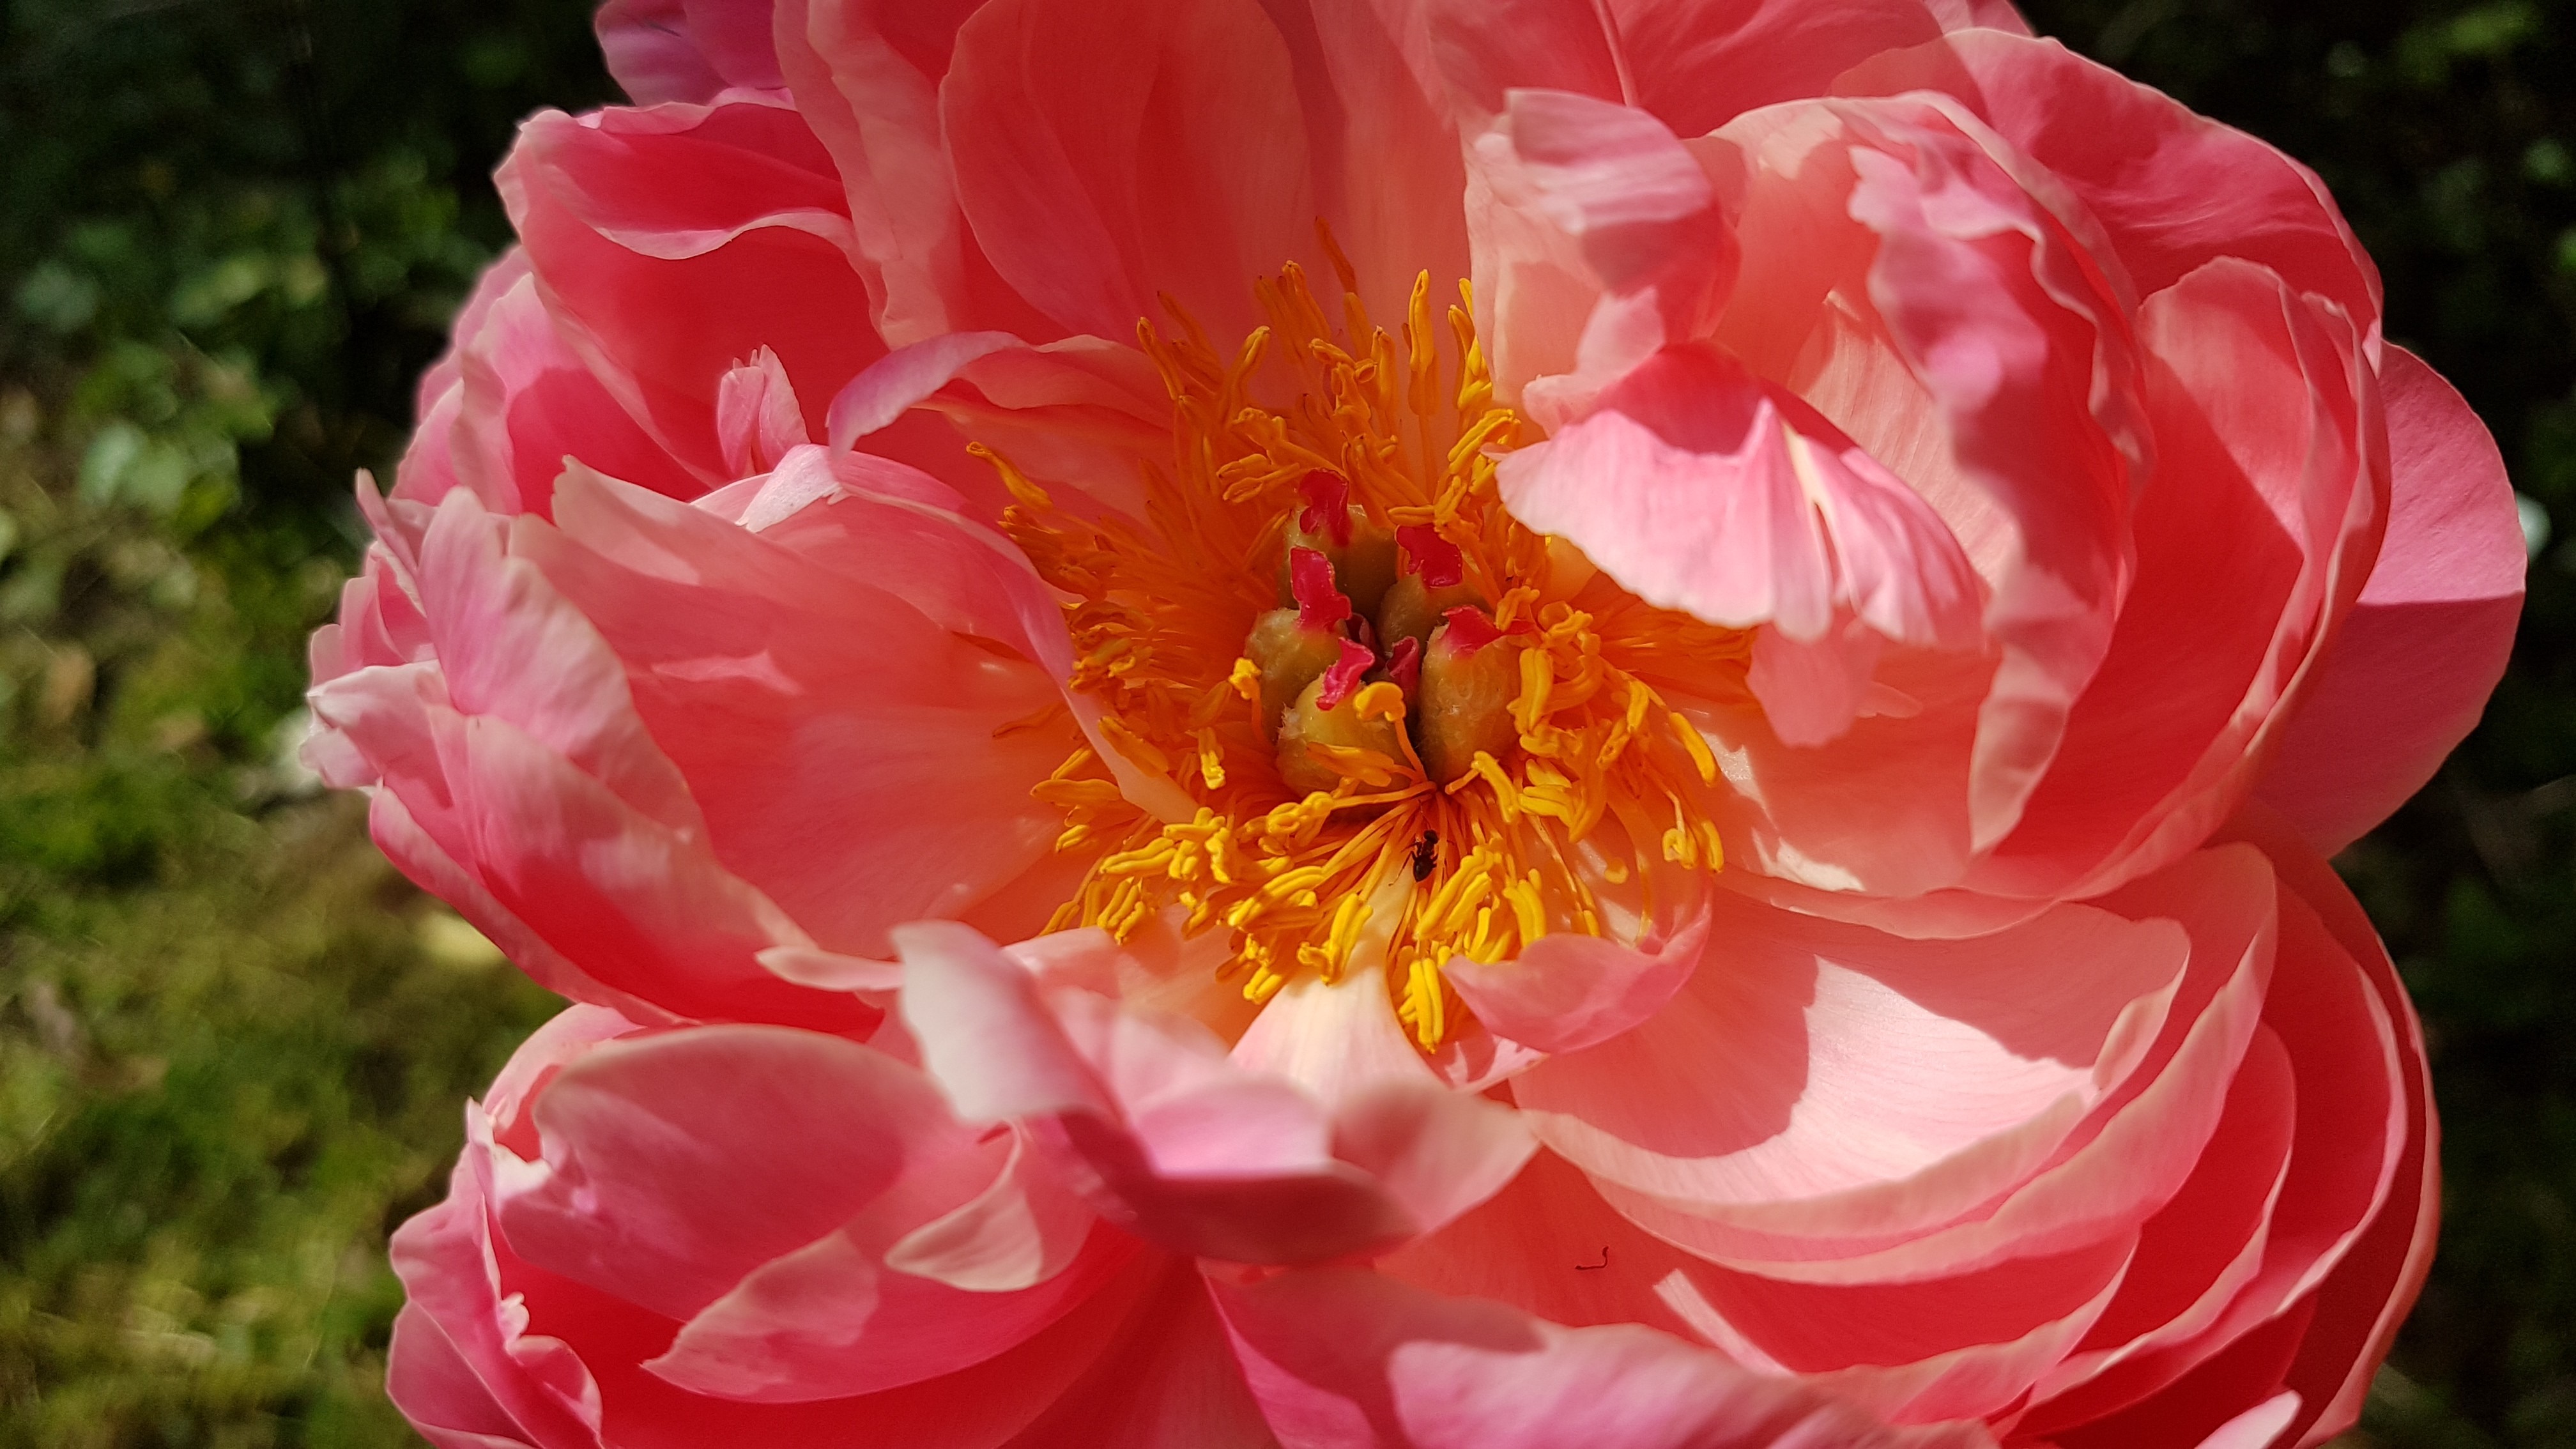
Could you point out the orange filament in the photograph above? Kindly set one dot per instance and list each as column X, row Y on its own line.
column 1388, row 864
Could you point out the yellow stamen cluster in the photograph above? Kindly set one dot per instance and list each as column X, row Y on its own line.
column 1388, row 864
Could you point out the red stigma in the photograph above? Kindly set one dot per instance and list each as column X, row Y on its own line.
column 1328, row 507
column 1320, row 605
column 1343, row 678
column 1435, row 558
column 1469, row 630
column 1404, row 664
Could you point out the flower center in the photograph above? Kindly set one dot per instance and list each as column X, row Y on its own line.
column 1410, row 728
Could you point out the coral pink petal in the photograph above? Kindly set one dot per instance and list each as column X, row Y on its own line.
column 686, row 50
column 2172, row 190
column 563, row 1360
column 1702, row 489
column 1486, row 49
column 2349, row 1226
column 816, row 673
column 2369, row 1290
column 674, row 1165
column 1567, row 992
column 1807, row 1151
column 739, row 241
column 525, row 403
column 1999, row 321
column 1696, row 64
column 455, row 1325
column 866, row 76
column 1174, row 1143
column 2405, row 678
column 830, row 1321
column 1168, row 1380
column 1382, row 144
column 2255, row 529
column 896, row 382
column 758, row 421
column 433, row 1385
column 1109, row 151
column 512, row 647
column 644, row 910
column 426, row 863
column 1355, row 1360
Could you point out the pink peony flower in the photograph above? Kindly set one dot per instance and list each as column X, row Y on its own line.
column 1720, row 843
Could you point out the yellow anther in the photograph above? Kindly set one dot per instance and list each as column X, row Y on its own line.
column 1538, row 681
column 1161, row 598
column 1017, row 483
column 1697, row 746
column 1072, row 794
column 1381, row 700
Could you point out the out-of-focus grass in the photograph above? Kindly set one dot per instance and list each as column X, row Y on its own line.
column 234, row 1044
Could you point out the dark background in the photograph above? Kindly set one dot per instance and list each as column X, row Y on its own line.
column 233, row 1044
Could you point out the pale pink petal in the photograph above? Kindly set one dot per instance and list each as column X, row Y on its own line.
column 1831, row 1146
column 757, row 419
column 1701, row 489
column 1332, row 1037
column 896, row 382
column 674, row 1165
column 2404, row 678
column 1598, row 240
column 1166, row 1138
column 1564, row 992
column 821, row 672
column 1112, row 150
column 1355, row 1360
column 986, row 1035
column 1437, row 1152
column 510, row 646
column 2059, row 1181
column 1020, row 1231
column 829, row 1321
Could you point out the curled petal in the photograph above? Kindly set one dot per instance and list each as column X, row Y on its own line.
column 1168, row 1139
column 2405, row 678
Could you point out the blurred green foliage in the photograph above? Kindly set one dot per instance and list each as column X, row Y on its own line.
column 233, row 1044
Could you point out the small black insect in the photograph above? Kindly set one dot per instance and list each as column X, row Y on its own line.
column 1426, row 854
